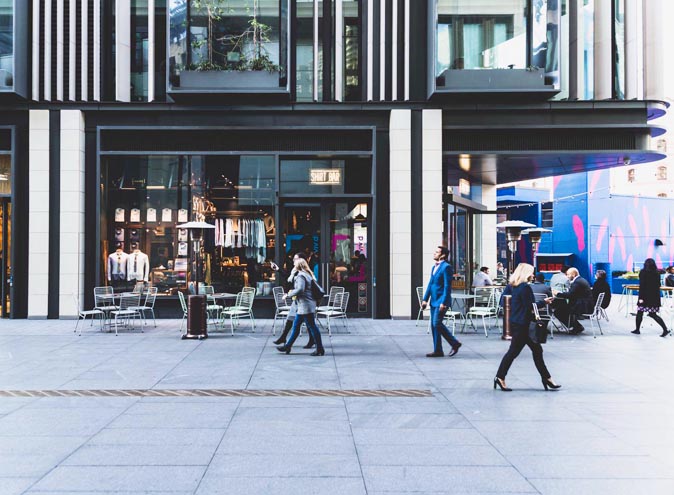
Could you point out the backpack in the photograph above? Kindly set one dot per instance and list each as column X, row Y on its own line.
column 317, row 291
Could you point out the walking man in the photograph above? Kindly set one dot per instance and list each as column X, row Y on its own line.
column 439, row 295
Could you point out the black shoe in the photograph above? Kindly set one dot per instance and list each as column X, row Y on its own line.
column 636, row 332
column 309, row 345
column 455, row 349
column 665, row 333
column 318, row 352
column 549, row 383
column 279, row 341
column 501, row 385
column 435, row 354
column 283, row 348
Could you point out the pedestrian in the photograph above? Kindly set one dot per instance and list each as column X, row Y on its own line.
column 439, row 295
column 669, row 276
column 292, row 312
column 601, row 287
column 649, row 296
column 521, row 309
column 306, row 308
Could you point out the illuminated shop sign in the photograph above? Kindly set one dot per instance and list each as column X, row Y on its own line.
column 464, row 188
column 325, row 176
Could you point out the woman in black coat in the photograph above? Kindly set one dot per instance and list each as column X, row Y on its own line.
column 521, row 315
column 601, row 287
column 649, row 296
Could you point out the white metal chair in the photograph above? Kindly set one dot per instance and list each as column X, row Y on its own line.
column 487, row 306
column 183, row 306
column 148, row 305
column 596, row 315
column 420, row 314
column 334, row 290
column 546, row 313
column 282, row 308
column 125, row 311
column 104, row 301
column 212, row 308
column 82, row 314
column 243, row 308
column 338, row 310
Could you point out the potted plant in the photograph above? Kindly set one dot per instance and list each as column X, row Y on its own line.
column 232, row 60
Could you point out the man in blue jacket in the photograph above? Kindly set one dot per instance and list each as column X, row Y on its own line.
column 439, row 294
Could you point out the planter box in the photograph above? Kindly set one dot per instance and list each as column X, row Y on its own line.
column 228, row 80
column 492, row 80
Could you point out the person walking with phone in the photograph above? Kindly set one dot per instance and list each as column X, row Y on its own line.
column 439, row 296
column 292, row 312
column 306, row 308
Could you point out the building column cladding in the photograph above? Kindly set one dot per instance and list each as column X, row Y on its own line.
column 123, row 50
column 400, row 130
column 71, row 262
column 38, row 213
column 431, row 187
column 603, row 42
column 654, row 49
column 487, row 231
column 633, row 68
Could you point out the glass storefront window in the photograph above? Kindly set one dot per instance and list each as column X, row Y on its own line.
column 619, row 47
column 145, row 198
column 139, row 50
column 6, row 44
column 5, row 174
column 588, row 49
column 351, row 44
column 481, row 35
column 220, row 43
column 318, row 177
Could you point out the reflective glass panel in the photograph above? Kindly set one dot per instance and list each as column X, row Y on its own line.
column 5, row 174
column 6, row 44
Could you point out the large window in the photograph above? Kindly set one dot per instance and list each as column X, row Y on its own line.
column 619, row 48
column 6, row 44
column 139, row 50
column 219, row 44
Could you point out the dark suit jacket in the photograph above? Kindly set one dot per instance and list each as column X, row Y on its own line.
column 579, row 296
column 439, row 288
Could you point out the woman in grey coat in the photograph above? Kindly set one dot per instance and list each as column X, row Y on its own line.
column 306, row 308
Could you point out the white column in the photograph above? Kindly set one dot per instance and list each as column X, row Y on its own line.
column 400, row 203
column 47, row 50
column 59, row 49
column 431, row 185
column 576, row 48
column 654, row 49
column 71, row 250
column 84, row 43
column 150, row 49
column 487, row 233
column 370, row 49
column 38, row 213
column 72, row 52
column 339, row 50
column 382, row 51
column 603, row 64
column 123, row 50
column 97, row 50
column 36, row 51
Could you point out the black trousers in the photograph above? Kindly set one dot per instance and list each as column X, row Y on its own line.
column 520, row 339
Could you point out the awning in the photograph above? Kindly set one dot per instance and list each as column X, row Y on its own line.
column 554, row 255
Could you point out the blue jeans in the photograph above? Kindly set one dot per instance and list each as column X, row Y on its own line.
column 311, row 326
column 439, row 329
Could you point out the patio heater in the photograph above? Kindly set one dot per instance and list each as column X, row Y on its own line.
column 535, row 234
column 513, row 231
column 196, row 304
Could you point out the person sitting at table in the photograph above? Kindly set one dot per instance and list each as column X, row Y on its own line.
column 482, row 279
column 540, row 287
column 559, row 282
column 601, row 287
column 578, row 301
column 669, row 276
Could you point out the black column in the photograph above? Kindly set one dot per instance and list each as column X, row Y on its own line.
column 54, row 212
column 328, row 48
column 92, row 213
column 418, row 256
column 382, row 215
column 419, row 50
column 19, row 240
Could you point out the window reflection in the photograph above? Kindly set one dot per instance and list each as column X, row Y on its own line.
column 6, row 44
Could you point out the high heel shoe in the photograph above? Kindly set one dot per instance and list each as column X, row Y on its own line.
column 501, row 384
column 665, row 333
column 284, row 348
column 318, row 352
column 549, row 383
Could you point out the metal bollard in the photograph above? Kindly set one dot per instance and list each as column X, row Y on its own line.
column 506, row 318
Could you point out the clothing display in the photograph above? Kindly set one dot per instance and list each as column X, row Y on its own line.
column 117, row 265
column 138, row 266
column 248, row 233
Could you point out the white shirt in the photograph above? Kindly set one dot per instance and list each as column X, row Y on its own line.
column 481, row 279
column 117, row 264
column 138, row 266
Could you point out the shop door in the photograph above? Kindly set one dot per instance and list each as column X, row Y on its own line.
column 5, row 247
column 334, row 235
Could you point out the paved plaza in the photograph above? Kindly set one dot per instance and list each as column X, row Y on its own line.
column 607, row 430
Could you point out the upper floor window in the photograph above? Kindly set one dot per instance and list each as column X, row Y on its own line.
column 662, row 173
column 547, row 215
column 238, row 45
column 6, row 44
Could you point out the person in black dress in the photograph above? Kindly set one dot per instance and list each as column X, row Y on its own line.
column 521, row 315
column 649, row 296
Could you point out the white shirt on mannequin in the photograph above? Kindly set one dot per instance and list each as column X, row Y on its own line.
column 138, row 266
column 117, row 265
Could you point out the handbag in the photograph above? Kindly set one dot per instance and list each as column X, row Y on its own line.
column 538, row 331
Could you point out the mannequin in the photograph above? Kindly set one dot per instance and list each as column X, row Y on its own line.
column 117, row 264
column 137, row 266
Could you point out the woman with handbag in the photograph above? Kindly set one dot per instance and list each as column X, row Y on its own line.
column 306, row 308
column 649, row 296
column 521, row 308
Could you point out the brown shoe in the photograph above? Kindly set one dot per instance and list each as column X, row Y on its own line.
column 455, row 349
column 435, row 354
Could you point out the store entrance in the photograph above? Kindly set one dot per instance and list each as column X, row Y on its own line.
column 5, row 256
column 334, row 235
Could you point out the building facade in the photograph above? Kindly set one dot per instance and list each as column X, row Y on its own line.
column 364, row 132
